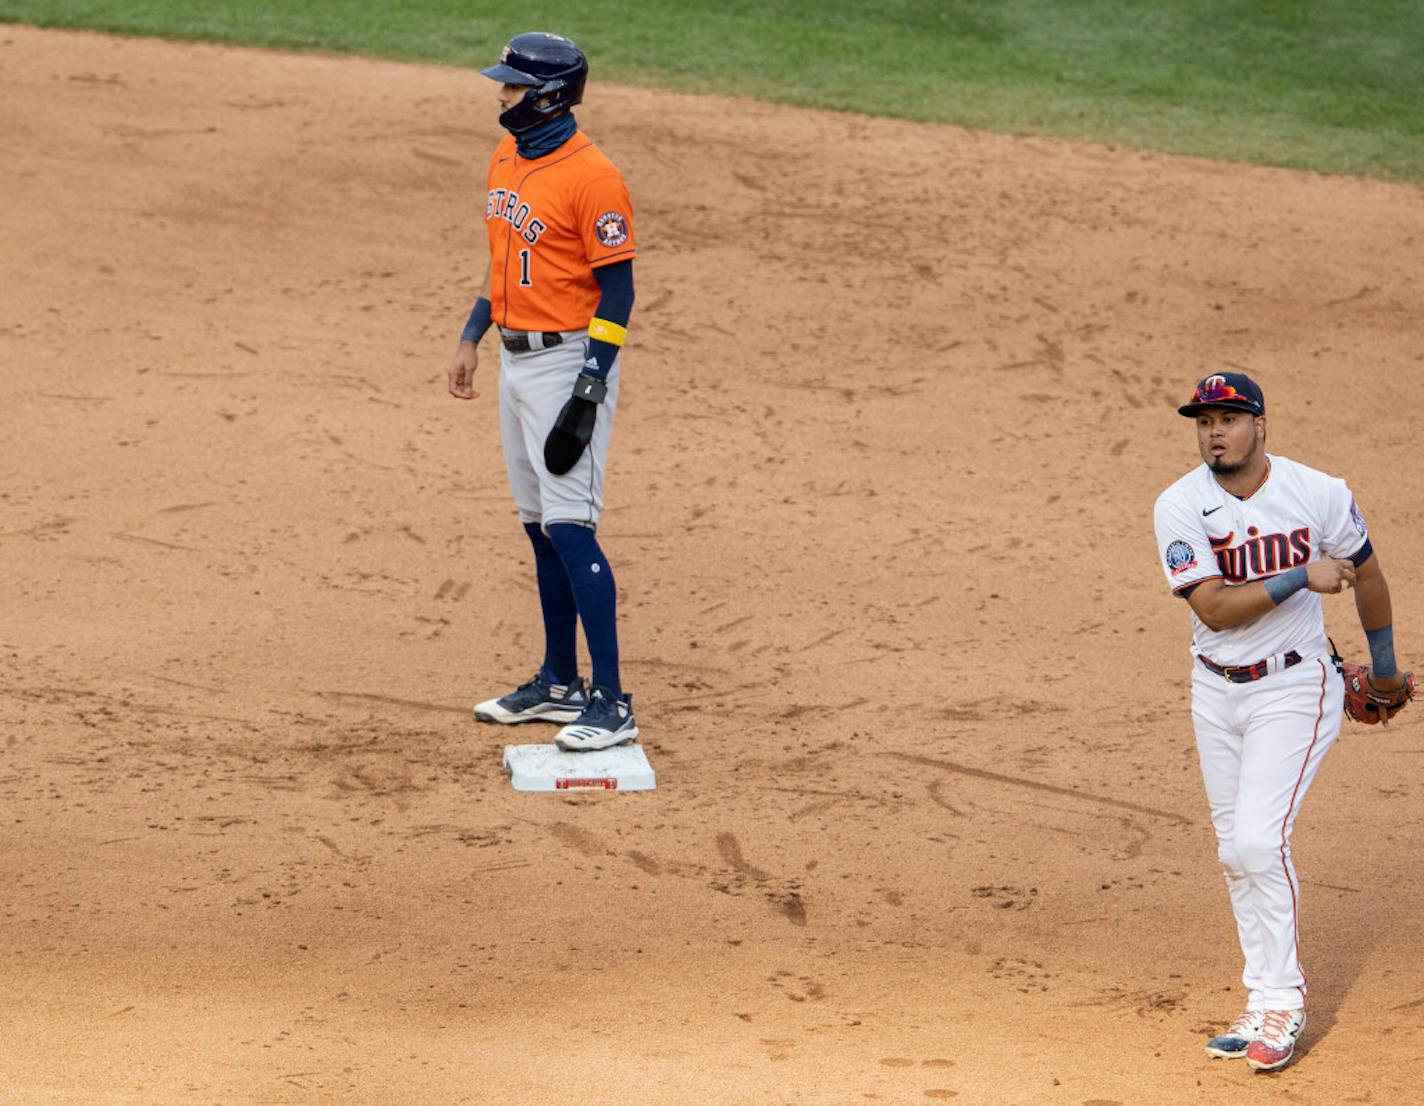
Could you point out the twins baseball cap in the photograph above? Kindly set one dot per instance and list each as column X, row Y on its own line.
column 1226, row 390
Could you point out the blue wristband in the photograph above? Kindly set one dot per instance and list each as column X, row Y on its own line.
column 479, row 321
column 1382, row 661
column 1283, row 586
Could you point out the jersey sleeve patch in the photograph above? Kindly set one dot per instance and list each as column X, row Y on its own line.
column 1181, row 557
column 1358, row 519
column 612, row 229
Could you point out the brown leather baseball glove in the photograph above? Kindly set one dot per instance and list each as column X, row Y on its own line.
column 1364, row 702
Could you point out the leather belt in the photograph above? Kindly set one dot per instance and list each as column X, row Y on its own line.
column 517, row 341
column 1247, row 673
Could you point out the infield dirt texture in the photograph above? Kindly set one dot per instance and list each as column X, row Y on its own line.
column 898, row 400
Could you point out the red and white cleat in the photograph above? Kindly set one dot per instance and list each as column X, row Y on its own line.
column 1275, row 1044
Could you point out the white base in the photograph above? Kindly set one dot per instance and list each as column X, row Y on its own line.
column 549, row 768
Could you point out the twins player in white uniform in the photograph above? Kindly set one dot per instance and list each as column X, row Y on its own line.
column 1251, row 541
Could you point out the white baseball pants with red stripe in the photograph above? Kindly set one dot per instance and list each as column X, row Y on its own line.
column 1260, row 745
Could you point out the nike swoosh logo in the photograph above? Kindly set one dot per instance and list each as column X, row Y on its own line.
column 1206, row 512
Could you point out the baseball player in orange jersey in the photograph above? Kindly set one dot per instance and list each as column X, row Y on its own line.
column 559, row 289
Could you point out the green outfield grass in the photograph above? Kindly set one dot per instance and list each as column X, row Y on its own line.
column 1333, row 85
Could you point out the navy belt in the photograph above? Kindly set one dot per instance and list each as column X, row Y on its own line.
column 517, row 341
column 1246, row 673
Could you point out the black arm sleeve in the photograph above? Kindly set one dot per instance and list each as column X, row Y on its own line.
column 615, row 306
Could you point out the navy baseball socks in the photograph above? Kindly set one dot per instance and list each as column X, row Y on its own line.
column 557, row 604
column 608, row 718
column 575, row 584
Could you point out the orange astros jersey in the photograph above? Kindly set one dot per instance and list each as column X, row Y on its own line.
column 551, row 222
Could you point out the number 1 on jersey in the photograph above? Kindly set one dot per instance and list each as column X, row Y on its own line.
column 524, row 281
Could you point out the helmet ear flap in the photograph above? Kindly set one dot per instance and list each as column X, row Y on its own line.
column 527, row 113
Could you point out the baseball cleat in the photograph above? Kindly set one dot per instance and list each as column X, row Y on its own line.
column 1274, row 1045
column 537, row 701
column 1233, row 1044
column 606, row 721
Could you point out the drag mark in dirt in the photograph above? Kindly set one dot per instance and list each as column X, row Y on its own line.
column 1331, row 886
column 937, row 797
column 1143, row 1003
column 581, row 840
column 1052, row 789
column 375, row 780
column 57, row 525
column 820, row 640
column 500, row 866
column 128, row 130
column 785, row 899
column 332, row 845
column 369, row 697
column 731, row 850
column 139, row 539
column 815, row 808
column 645, row 862
column 83, row 401
column 1361, row 294
column 439, row 159
column 1136, row 838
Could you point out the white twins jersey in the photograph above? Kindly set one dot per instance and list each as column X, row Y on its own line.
column 1296, row 517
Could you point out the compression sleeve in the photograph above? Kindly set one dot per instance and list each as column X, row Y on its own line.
column 615, row 306
column 478, row 322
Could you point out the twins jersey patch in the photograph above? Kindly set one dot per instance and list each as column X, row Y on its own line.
column 1358, row 519
column 612, row 228
column 1180, row 557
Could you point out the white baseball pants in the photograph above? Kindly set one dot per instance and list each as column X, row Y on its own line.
column 1260, row 745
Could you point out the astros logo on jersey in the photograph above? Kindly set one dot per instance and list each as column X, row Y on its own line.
column 612, row 228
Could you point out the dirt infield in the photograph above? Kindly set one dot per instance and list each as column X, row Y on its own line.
column 897, row 402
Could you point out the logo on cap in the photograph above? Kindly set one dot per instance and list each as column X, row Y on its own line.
column 1226, row 390
column 1215, row 389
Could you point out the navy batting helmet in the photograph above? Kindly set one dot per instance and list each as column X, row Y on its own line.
column 555, row 71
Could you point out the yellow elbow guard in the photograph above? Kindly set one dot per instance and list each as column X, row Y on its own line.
column 604, row 331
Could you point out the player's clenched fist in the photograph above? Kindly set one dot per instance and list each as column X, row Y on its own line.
column 462, row 371
column 1330, row 575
